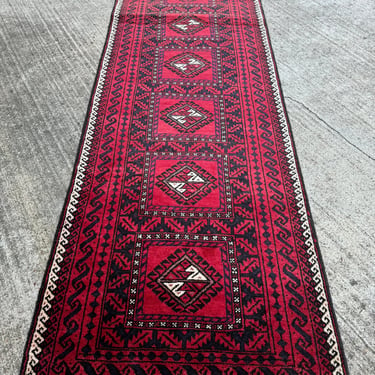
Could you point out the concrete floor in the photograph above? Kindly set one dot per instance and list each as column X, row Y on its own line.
column 325, row 52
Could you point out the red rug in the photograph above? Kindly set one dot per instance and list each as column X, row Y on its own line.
column 185, row 245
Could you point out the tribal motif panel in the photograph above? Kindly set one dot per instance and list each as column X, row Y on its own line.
column 188, row 25
column 186, row 117
column 186, row 245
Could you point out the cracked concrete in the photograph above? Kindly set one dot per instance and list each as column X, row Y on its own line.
column 325, row 54
column 329, row 126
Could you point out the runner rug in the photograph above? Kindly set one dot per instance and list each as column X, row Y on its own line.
column 185, row 246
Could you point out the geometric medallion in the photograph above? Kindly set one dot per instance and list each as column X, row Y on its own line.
column 181, row 281
column 187, row 284
column 187, row 64
column 186, row 25
column 186, row 117
column 190, row 118
column 186, row 182
column 186, row 185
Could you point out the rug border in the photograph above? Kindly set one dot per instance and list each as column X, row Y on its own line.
column 279, row 96
column 95, row 95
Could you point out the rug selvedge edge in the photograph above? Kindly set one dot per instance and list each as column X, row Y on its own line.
column 38, row 325
column 337, row 361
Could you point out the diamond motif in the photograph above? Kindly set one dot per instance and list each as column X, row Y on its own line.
column 187, row 64
column 186, row 117
column 188, row 25
column 185, row 281
column 186, row 182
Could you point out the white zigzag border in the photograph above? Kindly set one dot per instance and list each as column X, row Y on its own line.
column 43, row 317
column 315, row 268
column 48, row 296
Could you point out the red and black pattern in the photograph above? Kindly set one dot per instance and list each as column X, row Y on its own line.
column 188, row 25
column 185, row 281
column 185, row 247
column 186, row 117
column 186, row 182
column 187, row 64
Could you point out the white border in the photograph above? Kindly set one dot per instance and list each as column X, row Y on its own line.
column 315, row 267
column 48, row 296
